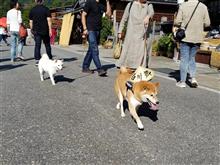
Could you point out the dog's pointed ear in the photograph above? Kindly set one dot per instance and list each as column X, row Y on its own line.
column 129, row 84
column 157, row 84
column 62, row 60
column 55, row 60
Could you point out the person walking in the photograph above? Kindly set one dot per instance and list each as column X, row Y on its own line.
column 199, row 15
column 14, row 21
column 92, row 24
column 40, row 25
column 134, row 52
column 3, row 35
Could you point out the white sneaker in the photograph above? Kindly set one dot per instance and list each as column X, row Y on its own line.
column 20, row 57
column 181, row 84
column 194, row 83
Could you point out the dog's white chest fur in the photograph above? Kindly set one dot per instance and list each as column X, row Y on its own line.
column 134, row 101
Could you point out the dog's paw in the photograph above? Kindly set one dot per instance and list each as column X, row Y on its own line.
column 123, row 115
column 140, row 126
column 118, row 106
column 53, row 84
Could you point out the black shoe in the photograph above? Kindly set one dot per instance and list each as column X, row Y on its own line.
column 102, row 72
column 36, row 63
column 88, row 71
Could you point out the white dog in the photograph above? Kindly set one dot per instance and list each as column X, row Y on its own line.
column 49, row 66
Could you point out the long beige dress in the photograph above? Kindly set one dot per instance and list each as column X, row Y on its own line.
column 134, row 47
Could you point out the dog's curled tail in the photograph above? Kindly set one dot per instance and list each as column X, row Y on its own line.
column 45, row 56
column 123, row 69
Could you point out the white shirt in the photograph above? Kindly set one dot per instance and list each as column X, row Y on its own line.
column 1, row 30
column 14, row 19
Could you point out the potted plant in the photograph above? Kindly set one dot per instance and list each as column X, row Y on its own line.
column 166, row 45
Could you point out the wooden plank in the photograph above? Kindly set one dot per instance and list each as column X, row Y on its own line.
column 66, row 29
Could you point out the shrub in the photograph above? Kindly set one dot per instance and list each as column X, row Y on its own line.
column 166, row 44
column 107, row 29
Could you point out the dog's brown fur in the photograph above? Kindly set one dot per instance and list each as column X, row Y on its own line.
column 140, row 92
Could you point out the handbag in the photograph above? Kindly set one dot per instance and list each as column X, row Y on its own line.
column 180, row 33
column 142, row 74
column 117, row 50
column 22, row 31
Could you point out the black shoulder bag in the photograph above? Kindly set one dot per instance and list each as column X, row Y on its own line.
column 180, row 33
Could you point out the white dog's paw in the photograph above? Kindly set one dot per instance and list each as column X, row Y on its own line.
column 140, row 126
column 122, row 114
column 42, row 79
column 53, row 84
column 118, row 106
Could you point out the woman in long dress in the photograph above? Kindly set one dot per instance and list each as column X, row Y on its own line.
column 134, row 52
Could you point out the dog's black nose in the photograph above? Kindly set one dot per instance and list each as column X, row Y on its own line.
column 157, row 102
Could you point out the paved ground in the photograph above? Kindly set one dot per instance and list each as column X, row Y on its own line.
column 75, row 122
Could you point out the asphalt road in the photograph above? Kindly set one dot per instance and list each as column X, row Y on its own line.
column 76, row 122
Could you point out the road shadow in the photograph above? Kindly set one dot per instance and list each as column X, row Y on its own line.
column 28, row 59
column 4, row 50
column 175, row 74
column 108, row 66
column 69, row 59
column 9, row 67
column 143, row 110
column 61, row 78
column 5, row 59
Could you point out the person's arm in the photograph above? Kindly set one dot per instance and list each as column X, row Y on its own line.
column 49, row 22
column 19, row 17
column 179, row 18
column 86, row 10
column 8, row 22
column 124, row 20
column 207, row 18
column 31, row 24
column 108, row 11
column 150, row 14
column 85, row 31
column 31, row 20
column 49, row 25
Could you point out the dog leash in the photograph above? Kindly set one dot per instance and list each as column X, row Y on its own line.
column 145, row 45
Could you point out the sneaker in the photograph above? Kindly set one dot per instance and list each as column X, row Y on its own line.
column 181, row 84
column 194, row 83
column 36, row 63
column 20, row 57
column 87, row 70
column 102, row 72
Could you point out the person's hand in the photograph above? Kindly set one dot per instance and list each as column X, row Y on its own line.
column 50, row 32
column 146, row 21
column 85, row 32
column 119, row 35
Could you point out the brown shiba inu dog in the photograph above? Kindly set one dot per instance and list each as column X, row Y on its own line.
column 135, row 94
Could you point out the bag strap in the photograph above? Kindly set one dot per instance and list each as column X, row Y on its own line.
column 130, row 9
column 192, row 15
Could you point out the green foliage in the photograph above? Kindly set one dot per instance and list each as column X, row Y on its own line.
column 166, row 43
column 4, row 7
column 155, row 46
column 28, row 4
column 107, row 29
